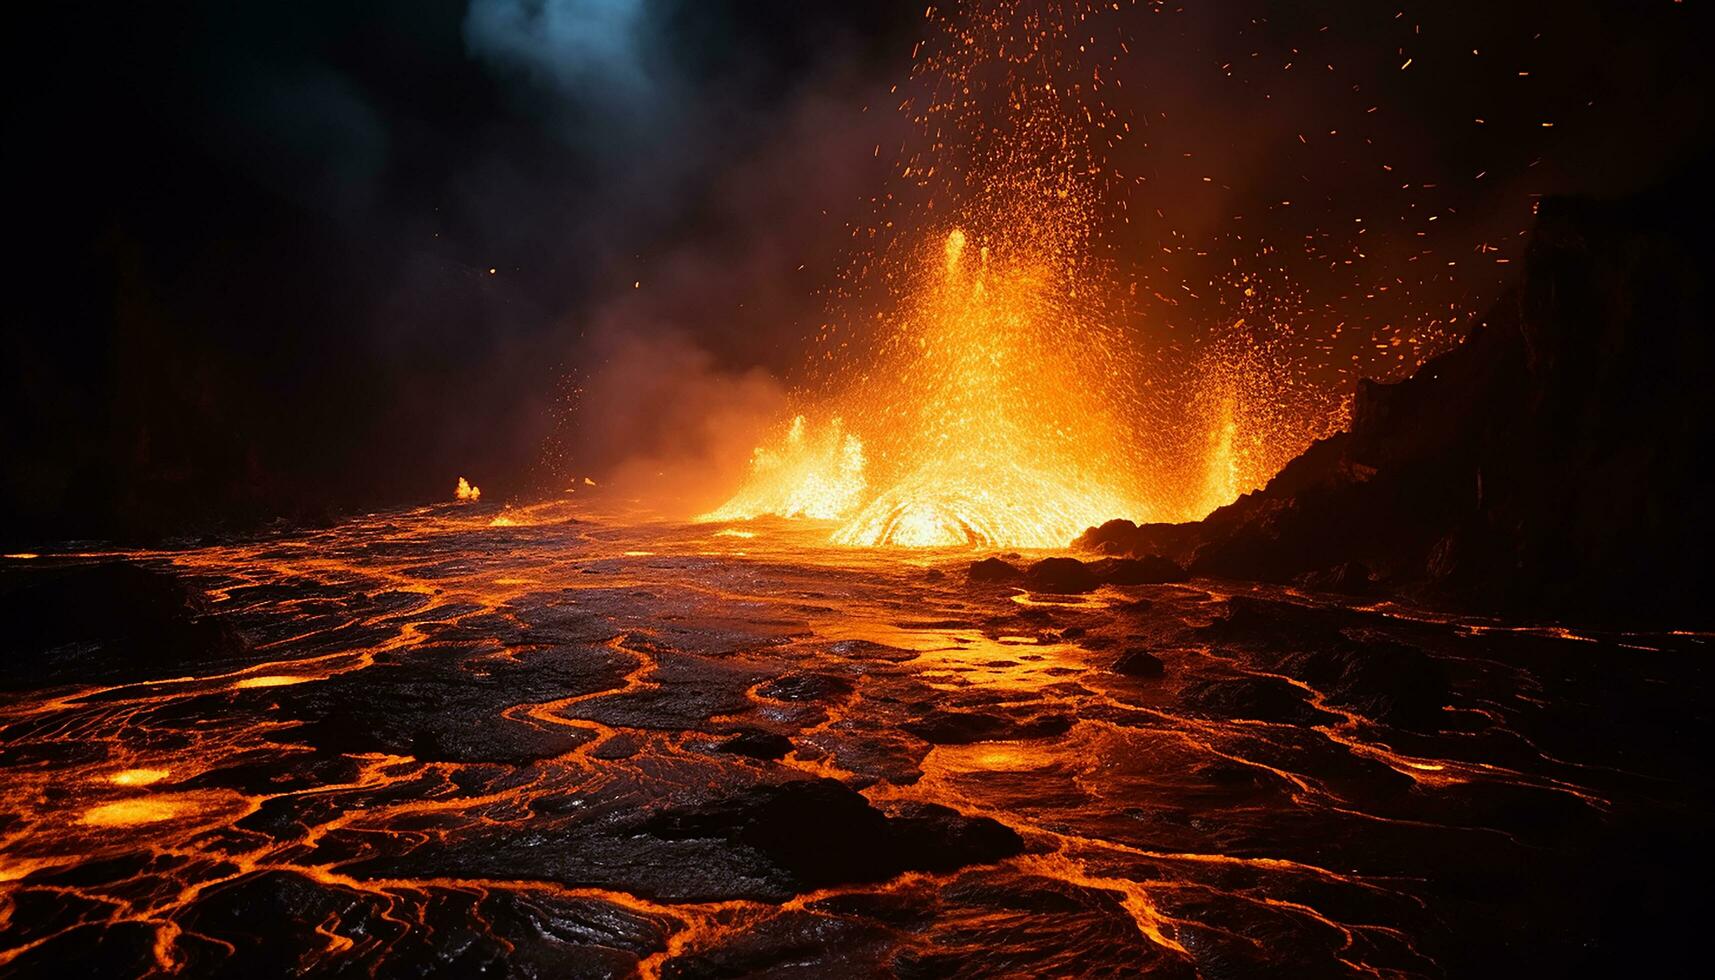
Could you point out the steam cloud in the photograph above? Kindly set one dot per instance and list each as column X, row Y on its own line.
column 673, row 429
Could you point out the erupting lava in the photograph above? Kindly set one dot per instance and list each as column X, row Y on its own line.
column 819, row 476
column 993, row 406
column 1000, row 440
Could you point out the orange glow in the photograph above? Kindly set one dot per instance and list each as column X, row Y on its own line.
column 273, row 680
column 998, row 439
column 129, row 813
column 138, row 777
column 994, row 362
column 97, row 809
column 1222, row 484
column 992, row 403
column 467, row 491
column 808, row 474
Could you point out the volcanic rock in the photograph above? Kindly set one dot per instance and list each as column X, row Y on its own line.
column 842, row 946
column 430, row 707
column 964, row 727
column 1257, row 698
column 1069, row 576
column 994, row 570
column 1147, row 570
column 1138, row 662
column 821, row 833
column 806, row 687
column 1279, row 626
column 1113, row 537
column 529, row 934
column 1547, row 466
column 111, row 621
column 757, row 745
column 1346, row 578
column 1061, row 576
column 1386, row 682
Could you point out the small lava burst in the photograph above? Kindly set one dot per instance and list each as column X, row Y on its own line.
column 467, row 491
column 138, row 777
column 272, row 680
column 809, row 473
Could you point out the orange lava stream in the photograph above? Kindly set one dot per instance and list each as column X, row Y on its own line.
column 140, row 795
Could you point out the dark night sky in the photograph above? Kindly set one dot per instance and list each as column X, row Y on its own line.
column 251, row 242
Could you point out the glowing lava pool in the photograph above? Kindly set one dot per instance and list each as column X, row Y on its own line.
column 573, row 747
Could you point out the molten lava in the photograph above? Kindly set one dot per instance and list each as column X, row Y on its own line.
column 992, row 392
column 999, row 439
column 819, row 475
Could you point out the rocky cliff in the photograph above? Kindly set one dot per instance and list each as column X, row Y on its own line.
column 1552, row 464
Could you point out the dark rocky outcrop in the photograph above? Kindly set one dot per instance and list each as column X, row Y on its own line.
column 821, row 833
column 994, row 570
column 1337, row 653
column 1061, row 576
column 806, row 687
column 108, row 621
column 964, row 727
column 757, row 745
column 1069, row 576
column 1346, row 578
column 1138, row 662
column 1386, row 682
column 1147, row 570
column 1547, row 466
column 1254, row 698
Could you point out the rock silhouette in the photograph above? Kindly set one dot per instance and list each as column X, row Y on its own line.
column 1548, row 465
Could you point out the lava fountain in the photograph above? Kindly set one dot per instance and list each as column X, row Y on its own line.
column 992, row 405
column 1001, row 441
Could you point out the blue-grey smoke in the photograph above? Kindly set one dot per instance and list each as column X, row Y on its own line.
column 589, row 50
